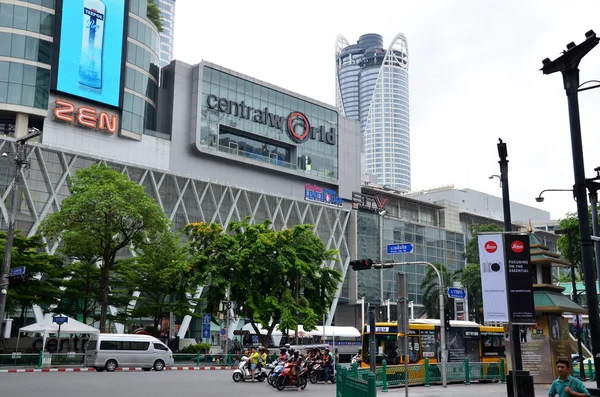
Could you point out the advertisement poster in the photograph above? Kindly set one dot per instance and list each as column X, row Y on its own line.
column 519, row 278
column 560, row 345
column 493, row 278
column 91, row 49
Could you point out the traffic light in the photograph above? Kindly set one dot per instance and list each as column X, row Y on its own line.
column 447, row 315
column 362, row 264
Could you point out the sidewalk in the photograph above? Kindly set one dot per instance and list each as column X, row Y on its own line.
column 473, row 390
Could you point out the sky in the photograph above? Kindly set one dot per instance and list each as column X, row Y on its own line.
column 473, row 75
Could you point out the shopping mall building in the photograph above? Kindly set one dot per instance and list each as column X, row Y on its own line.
column 209, row 144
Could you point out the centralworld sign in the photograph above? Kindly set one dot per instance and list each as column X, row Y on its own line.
column 296, row 124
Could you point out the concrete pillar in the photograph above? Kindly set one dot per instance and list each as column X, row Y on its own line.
column 21, row 125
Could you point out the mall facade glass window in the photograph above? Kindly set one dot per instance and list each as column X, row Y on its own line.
column 431, row 244
column 265, row 138
column 141, row 87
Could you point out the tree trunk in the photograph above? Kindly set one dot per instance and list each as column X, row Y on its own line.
column 85, row 310
column 104, row 280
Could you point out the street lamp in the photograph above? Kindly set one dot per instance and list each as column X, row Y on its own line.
column 568, row 64
column 496, row 176
column 381, row 214
column 20, row 162
column 569, row 233
column 540, row 199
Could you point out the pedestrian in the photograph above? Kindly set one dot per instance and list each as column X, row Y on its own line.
column 566, row 385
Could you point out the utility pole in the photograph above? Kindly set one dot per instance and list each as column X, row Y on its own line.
column 568, row 65
column 20, row 162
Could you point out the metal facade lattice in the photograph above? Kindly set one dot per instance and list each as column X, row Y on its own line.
column 183, row 199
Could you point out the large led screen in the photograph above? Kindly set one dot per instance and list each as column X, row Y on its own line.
column 91, row 49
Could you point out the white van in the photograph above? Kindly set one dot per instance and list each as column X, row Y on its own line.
column 110, row 351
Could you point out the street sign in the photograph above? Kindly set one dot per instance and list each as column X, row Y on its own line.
column 17, row 271
column 223, row 333
column 457, row 293
column 206, row 326
column 255, row 339
column 60, row 320
column 404, row 248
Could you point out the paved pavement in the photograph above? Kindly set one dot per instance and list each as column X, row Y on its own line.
column 198, row 383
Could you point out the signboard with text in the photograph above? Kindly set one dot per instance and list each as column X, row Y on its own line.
column 493, row 277
column 519, row 279
column 322, row 195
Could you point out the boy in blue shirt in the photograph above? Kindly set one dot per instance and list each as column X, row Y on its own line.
column 566, row 385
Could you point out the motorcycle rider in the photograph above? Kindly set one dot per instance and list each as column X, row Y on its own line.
column 253, row 360
column 283, row 355
column 328, row 363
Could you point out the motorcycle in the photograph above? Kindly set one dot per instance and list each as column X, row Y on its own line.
column 276, row 368
column 357, row 359
column 286, row 379
column 318, row 373
column 242, row 373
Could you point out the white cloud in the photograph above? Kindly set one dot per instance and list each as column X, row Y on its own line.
column 474, row 76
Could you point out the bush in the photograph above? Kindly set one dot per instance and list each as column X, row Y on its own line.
column 202, row 348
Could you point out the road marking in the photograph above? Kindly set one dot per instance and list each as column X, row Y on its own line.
column 127, row 369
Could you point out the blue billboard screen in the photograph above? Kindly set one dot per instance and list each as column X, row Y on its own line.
column 91, row 49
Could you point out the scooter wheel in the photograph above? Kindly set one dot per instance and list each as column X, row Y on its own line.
column 261, row 378
column 281, row 383
column 314, row 378
column 237, row 377
column 303, row 382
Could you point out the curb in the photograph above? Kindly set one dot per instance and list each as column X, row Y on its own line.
column 127, row 369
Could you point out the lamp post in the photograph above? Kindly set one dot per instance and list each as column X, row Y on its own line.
column 568, row 64
column 540, row 199
column 20, row 162
column 569, row 234
column 381, row 214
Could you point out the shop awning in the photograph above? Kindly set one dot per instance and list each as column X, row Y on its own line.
column 555, row 302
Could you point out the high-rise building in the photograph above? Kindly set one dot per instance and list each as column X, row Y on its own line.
column 167, row 12
column 372, row 87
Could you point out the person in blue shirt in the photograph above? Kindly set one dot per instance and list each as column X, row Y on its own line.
column 566, row 385
column 328, row 363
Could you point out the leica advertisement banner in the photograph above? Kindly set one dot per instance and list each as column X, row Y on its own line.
column 519, row 279
column 493, row 278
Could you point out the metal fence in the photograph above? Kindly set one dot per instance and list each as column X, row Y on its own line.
column 350, row 383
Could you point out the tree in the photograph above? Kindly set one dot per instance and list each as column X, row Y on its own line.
column 470, row 278
column 162, row 275
column 431, row 287
column 571, row 222
column 40, row 283
column 154, row 15
column 81, row 296
column 274, row 277
column 105, row 213
column 472, row 248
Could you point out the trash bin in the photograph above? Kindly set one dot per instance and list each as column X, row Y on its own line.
column 524, row 384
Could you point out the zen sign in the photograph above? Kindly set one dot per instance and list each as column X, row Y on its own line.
column 85, row 116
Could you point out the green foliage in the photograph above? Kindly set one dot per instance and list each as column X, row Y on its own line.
column 472, row 248
column 154, row 15
column 470, row 278
column 571, row 222
column 275, row 277
column 202, row 348
column 161, row 274
column 81, row 296
column 430, row 287
column 40, row 285
column 105, row 213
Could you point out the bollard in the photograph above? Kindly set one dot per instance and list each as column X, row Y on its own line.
column 41, row 359
column 355, row 370
column 590, row 373
column 371, row 384
column 198, row 359
column 502, row 371
column 384, row 376
column 229, row 360
column 467, row 372
column 427, row 384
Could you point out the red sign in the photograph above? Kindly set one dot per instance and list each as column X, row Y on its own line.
column 85, row 116
column 491, row 247
column 517, row 247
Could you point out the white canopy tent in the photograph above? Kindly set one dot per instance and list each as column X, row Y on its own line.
column 47, row 327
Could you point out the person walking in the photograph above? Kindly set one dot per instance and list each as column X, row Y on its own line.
column 566, row 385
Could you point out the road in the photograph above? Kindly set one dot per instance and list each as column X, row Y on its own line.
column 143, row 384
column 199, row 383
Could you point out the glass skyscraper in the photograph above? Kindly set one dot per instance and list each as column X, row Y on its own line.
column 372, row 87
column 167, row 12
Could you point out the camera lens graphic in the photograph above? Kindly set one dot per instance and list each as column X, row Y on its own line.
column 495, row 267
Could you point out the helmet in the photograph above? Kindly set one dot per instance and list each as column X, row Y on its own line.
column 287, row 346
column 283, row 350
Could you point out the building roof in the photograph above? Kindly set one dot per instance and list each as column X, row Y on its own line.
column 555, row 302
column 399, row 196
